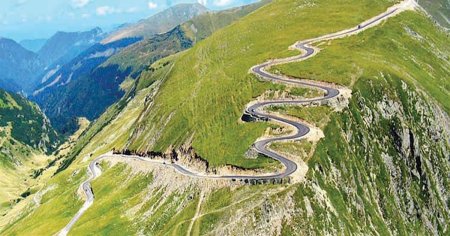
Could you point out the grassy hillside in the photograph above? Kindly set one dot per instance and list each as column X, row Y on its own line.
column 381, row 169
column 25, row 136
column 140, row 55
column 421, row 56
column 109, row 131
column 212, row 84
column 136, row 59
column 23, row 122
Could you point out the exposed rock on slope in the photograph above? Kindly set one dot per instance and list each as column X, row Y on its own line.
column 384, row 169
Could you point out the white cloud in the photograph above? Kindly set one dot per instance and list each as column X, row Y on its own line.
column 79, row 3
column 132, row 10
column 20, row 2
column 152, row 5
column 203, row 2
column 222, row 2
column 106, row 10
column 85, row 15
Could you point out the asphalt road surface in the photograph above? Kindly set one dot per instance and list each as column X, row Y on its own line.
column 94, row 172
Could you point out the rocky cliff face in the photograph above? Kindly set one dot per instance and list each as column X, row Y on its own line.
column 382, row 167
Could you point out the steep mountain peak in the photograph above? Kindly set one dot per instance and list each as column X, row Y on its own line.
column 10, row 46
column 159, row 23
column 17, row 65
column 189, row 5
column 64, row 46
column 97, row 30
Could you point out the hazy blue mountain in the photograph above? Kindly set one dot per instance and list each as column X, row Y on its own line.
column 33, row 45
column 84, row 87
column 24, row 70
column 81, row 88
column 18, row 66
column 158, row 23
column 64, row 46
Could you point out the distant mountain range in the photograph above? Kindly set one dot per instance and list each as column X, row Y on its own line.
column 73, row 74
column 18, row 66
column 81, row 88
column 64, row 46
column 88, row 84
column 23, row 69
column 139, row 56
column 158, row 23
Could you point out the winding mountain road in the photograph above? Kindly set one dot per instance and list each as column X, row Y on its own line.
column 257, row 110
column 93, row 172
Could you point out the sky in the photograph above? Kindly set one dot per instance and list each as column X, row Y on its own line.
column 37, row 19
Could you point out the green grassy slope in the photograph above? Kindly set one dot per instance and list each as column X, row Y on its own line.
column 139, row 56
column 414, row 49
column 111, row 130
column 381, row 169
column 212, row 84
column 384, row 172
column 25, row 136
column 28, row 124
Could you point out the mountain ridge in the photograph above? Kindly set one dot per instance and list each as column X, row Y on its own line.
column 18, row 66
column 159, row 23
column 64, row 46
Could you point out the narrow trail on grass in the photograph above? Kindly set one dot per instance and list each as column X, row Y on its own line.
column 256, row 110
column 197, row 213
